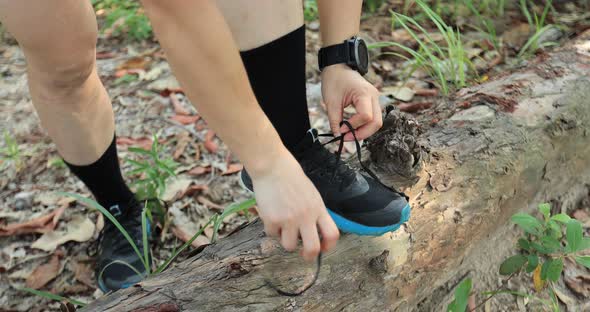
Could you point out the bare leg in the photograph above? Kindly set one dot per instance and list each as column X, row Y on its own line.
column 256, row 22
column 58, row 38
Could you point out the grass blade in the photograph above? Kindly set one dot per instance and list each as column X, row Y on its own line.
column 92, row 204
column 51, row 296
column 182, row 248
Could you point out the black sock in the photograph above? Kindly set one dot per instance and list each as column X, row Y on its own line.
column 276, row 72
column 104, row 179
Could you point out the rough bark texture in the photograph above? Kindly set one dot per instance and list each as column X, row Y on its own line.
column 522, row 139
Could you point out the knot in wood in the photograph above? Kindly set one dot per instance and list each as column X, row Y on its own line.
column 236, row 270
column 379, row 263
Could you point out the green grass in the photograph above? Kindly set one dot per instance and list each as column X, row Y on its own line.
column 154, row 172
column 536, row 22
column 10, row 153
column 310, row 10
column 125, row 18
column 449, row 65
column 51, row 296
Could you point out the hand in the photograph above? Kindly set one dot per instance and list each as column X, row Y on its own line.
column 343, row 86
column 291, row 207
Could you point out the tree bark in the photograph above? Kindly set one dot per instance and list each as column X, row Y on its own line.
column 503, row 146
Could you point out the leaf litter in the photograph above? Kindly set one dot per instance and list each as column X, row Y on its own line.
column 155, row 103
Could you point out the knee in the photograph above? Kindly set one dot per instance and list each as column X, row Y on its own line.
column 62, row 70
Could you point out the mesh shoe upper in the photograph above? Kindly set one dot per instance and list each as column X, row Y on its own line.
column 114, row 249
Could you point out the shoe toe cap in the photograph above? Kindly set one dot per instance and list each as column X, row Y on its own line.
column 118, row 276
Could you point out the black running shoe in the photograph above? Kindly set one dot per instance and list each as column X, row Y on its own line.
column 358, row 202
column 116, row 255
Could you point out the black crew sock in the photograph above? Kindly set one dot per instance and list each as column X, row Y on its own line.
column 104, row 179
column 276, row 72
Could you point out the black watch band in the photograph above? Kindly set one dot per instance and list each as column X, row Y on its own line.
column 334, row 54
column 352, row 52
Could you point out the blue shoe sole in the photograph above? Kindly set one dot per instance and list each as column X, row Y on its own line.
column 349, row 226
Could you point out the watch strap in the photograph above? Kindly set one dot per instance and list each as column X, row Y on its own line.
column 334, row 54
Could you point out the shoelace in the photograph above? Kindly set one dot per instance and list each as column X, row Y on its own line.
column 358, row 154
column 336, row 166
column 130, row 222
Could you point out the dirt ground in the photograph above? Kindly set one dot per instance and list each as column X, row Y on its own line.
column 55, row 253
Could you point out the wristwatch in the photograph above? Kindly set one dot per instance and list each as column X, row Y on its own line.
column 352, row 52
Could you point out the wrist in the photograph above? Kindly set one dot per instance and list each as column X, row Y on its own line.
column 268, row 160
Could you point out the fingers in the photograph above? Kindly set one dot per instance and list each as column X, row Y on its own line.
column 311, row 241
column 370, row 127
column 335, row 117
column 364, row 112
column 329, row 231
column 289, row 237
column 272, row 229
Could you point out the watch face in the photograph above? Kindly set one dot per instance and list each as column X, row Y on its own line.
column 362, row 56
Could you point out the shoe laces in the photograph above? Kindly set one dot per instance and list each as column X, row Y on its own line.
column 332, row 164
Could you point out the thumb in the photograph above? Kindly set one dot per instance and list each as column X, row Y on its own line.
column 334, row 117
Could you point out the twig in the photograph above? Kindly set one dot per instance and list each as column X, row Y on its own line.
column 497, row 289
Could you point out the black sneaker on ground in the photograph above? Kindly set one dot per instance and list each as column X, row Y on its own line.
column 115, row 255
column 358, row 202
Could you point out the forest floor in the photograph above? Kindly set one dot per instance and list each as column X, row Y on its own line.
column 47, row 241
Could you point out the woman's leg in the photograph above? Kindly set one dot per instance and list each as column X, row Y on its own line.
column 271, row 37
column 58, row 39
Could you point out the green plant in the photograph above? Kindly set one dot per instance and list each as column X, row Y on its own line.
column 51, row 296
column 373, row 5
column 459, row 304
column 125, row 17
column 542, row 250
column 310, row 10
column 154, row 173
column 487, row 23
column 449, row 65
column 537, row 23
column 10, row 153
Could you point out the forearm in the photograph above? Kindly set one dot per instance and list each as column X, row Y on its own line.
column 339, row 20
column 205, row 59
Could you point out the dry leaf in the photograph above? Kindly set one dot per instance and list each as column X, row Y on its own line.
column 185, row 237
column 43, row 274
column 537, row 281
column 414, row 107
column 176, row 189
column 403, row 94
column 178, row 108
column 196, row 188
column 185, row 120
column 209, row 204
column 183, row 228
column 138, row 62
column 233, row 168
column 145, row 143
column 43, row 224
column 199, row 170
column 210, row 145
column 79, row 229
column 182, row 141
column 426, row 92
column 83, row 274
column 165, row 85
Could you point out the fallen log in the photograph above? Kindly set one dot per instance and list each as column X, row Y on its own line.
column 507, row 145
